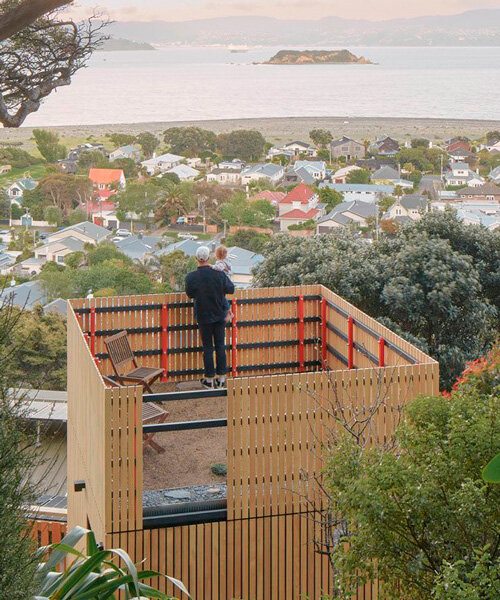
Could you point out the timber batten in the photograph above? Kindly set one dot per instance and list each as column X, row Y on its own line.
column 295, row 355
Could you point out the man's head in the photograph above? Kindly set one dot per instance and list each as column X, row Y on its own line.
column 202, row 255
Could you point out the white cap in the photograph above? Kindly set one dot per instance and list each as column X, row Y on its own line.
column 203, row 254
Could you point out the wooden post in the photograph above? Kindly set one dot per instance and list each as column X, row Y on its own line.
column 164, row 341
column 301, row 332
column 324, row 347
column 92, row 330
column 381, row 352
column 234, row 339
column 350, row 343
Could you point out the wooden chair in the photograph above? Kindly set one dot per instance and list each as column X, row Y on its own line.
column 121, row 355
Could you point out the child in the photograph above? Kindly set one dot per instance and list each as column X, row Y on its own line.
column 222, row 264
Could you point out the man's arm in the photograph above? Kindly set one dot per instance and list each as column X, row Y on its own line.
column 189, row 286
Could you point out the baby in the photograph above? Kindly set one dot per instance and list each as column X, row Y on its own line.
column 222, row 264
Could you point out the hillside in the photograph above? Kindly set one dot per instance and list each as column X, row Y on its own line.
column 316, row 57
column 120, row 44
column 472, row 28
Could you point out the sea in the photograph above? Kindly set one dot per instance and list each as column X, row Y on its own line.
column 199, row 83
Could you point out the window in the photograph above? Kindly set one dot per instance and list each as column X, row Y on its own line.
column 60, row 259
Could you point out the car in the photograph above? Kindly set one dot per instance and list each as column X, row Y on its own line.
column 182, row 221
column 187, row 236
column 123, row 233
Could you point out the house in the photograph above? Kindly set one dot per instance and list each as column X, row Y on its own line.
column 184, row 172
column 272, row 197
column 388, row 175
column 132, row 152
column 495, row 175
column 280, row 152
column 68, row 166
column 7, row 261
column 102, row 213
column 16, row 190
column 348, row 148
column 29, row 267
column 106, row 182
column 299, row 148
column 57, row 307
column 475, row 180
column 495, row 149
column 243, row 263
column 411, row 206
column 25, row 295
column 5, row 169
column 224, row 176
column 189, row 247
column 385, row 146
column 486, row 192
column 365, row 192
column 139, row 248
column 296, row 176
column 301, row 197
column 461, row 155
column 341, row 175
column 458, row 174
column 162, row 163
column 235, row 164
column 269, row 171
column 298, row 216
column 57, row 250
column 194, row 163
column 345, row 214
column 87, row 232
column 74, row 153
column 315, row 168
column 374, row 164
column 478, row 217
column 456, row 143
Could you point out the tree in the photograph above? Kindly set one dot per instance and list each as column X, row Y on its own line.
column 139, row 198
column 492, row 137
column 16, row 17
column 247, row 145
column 58, row 189
column 423, row 159
column 444, row 292
column 359, row 176
column 40, row 57
column 17, row 158
column 76, row 216
column 420, row 143
column 254, row 241
column 89, row 159
column 53, row 215
column 148, row 142
column 321, row 137
column 330, row 197
column 48, row 145
column 174, row 268
column 239, row 211
column 190, row 141
column 104, row 252
column 121, row 139
column 419, row 516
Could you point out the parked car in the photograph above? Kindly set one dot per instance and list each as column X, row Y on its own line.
column 123, row 233
column 187, row 236
column 182, row 221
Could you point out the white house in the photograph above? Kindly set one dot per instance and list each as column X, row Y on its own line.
column 364, row 192
column 495, row 175
column 299, row 148
column 458, row 174
column 341, row 175
column 347, row 213
column 184, row 172
column 16, row 190
column 132, row 152
column 273, row 173
column 162, row 163
column 316, row 168
column 224, row 176
column 411, row 206
column 236, row 164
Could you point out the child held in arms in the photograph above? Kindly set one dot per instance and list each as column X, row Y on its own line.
column 222, row 264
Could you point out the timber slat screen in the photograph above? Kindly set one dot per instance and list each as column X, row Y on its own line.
column 299, row 358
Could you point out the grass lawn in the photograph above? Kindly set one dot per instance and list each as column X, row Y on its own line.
column 35, row 171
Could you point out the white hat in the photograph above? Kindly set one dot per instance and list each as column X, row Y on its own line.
column 203, row 254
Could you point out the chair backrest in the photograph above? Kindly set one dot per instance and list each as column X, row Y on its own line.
column 119, row 350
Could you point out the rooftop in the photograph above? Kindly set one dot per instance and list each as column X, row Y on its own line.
column 302, row 193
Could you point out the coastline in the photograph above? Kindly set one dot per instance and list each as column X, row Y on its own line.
column 282, row 129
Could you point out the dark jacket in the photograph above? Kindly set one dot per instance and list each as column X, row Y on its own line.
column 208, row 288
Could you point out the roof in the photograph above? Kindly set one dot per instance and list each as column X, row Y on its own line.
column 137, row 247
column 346, row 170
column 189, row 247
column 303, row 174
column 344, row 140
column 243, row 261
column 128, row 149
column 105, row 176
column 163, row 158
column 302, row 193
column 487, row 189
column 360, row 187
column 298, row 143
column 24, row 295
column 266, row 169
column 96, row 207
column 356, row 207
column 386, row 173
column 296, row 213
column 58, row 307
column 26, row 183
column 91, row 230
column 184, row 171
column 269, row 195
column 317, row 165
column 460, row 165
column 413, row 202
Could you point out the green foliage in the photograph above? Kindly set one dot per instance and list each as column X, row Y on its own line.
column 385, row 204
column 76, row 216
column 306, row 225
column 106, row 251
column 92, row 159
column 420, row 143
column 321, row 137
column 491, row 473
column 423, row 159
column 420, row 517
column 128, row 166
column 148, row 142
column 359, row 176
column 19, row 159
column 239, row 211
column 16, row 211
column 48, row 145
column 121, row 139
column 97, row 575
column 53, row 215
column 330, row 197
column 254, row 241
column 174, row 268
column 189, row 141
column 492, row 138
column 248, row 145
column 139, row 198
column 437, row 279
column 415, row 176
column 219, row 469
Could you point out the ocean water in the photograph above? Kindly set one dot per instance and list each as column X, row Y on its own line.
column 187, row 83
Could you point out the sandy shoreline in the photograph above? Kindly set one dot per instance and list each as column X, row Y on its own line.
column 285, row 128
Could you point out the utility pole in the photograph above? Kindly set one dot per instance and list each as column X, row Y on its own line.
column 225, row 223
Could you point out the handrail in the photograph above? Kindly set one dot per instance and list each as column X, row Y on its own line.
column 184, row 425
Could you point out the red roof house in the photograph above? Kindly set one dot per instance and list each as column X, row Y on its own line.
column 272, row 197
column 302, row 197
column 297, row 216
column 106, row 182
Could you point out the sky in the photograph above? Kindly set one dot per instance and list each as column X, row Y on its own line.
column 182, row 10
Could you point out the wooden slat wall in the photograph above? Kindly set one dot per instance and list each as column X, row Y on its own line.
column 47, row 532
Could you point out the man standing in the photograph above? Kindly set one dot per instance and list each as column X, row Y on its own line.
column 208, row 288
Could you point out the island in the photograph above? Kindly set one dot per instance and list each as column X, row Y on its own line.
column 317, row 57
column 120, row 44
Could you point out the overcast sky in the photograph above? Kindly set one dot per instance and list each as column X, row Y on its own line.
column 181, row 10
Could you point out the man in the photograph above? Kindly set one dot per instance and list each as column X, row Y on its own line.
column 208, row 288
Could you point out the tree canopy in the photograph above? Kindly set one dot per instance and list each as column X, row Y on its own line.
column 247, row 145
column 48, row 145
column 190, row 141
column 321, row 137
